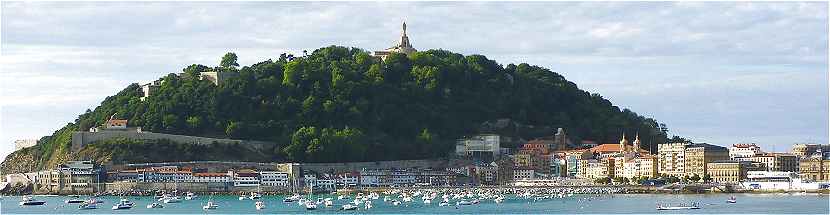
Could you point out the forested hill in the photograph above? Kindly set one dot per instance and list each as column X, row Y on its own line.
column 341, row 104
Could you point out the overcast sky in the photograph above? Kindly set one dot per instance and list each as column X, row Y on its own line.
column 721, row 73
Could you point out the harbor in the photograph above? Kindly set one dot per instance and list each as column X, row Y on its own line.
column 528, row 201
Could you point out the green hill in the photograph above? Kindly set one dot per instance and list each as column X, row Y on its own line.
column 341, row 104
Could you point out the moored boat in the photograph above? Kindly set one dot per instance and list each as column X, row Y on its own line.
column 259, row 205
column 155, row 205
column 732, row 200
column 678, row 207
column 29, row 200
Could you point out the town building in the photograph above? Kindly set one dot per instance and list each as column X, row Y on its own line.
column 274, row 178
column 402, row 46
column 150, row 89
column 430, row 177
column 744, row 150
column 803, row 150
column 731, row 171
column 648, row 166
column 602, row 168
column 211, row 177
column 217, row 76
column 524, row 173
column 20, row 144
column 699, row 155
column 245, row 178
column 779, row 162
column 572, row 160
column 348, row 179
column 815, row 168
column 672, row 159
column 486, row 147
column 71, row 177
column 777, row 180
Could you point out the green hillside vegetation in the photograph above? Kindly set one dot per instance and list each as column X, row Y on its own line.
column 341, row 104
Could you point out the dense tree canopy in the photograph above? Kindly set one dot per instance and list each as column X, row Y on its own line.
column 341, row 104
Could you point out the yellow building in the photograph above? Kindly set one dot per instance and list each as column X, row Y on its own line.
column 603, row 168
column 698, row 156
column 672, row 159
column 647, row 166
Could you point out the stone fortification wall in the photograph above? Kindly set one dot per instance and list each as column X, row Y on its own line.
column 80, row 139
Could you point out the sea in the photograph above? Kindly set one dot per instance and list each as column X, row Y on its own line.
column 778, row 203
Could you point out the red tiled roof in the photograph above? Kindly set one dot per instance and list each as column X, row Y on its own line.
column 210, row 174
column 606, row 148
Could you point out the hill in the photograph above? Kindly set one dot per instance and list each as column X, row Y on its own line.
column 341, row 104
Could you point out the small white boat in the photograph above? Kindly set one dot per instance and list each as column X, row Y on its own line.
column 427, row 201
column 255, row 195
column 174, row 199
column 210, row 206
column 328, row 202
column 259, row 205
column 122, row 206
column 499, row 199
column 349, row 207
column 368, row 205
column 293, row 198
column 310, row 205
column 678, row 207
column 155, row 205
column 29, row 200
column 443, row 204
column 87, row 206
column 74, row 201
column 242, row 198
column 190, row 196
column 396, row 202
column 732, row 200
column 463, row 202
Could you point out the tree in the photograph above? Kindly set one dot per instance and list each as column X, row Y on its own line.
column 707, row 178
column 229, row 60
column 694, row 178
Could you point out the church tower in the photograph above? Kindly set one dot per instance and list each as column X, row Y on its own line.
column 636, row 147
column 623, row 143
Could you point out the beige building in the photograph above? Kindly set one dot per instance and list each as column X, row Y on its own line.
column 672, row 159
column 815, row 168
column 403, row 46
column 603, row 168
column 647, row 166
column 698, row 156
column 728, row 171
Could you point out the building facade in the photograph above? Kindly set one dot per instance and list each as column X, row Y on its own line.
column 698, row 156
column 744, row 150
column 672, row 159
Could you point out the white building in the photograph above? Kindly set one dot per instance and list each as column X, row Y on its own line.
column 524, row 173
column 672, row 159
column 485, row 145
column 773, row 180
column 20, row 144
column 211, row 177
column 349, row 179
column 403, row 178
column 744, row 150
column 274, row 179
column 245, row 178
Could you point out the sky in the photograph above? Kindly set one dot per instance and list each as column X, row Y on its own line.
column 714, row 72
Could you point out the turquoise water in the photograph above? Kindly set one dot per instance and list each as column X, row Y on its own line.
column 619, row 203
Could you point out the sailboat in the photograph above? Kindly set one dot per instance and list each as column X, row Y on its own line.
column 210, row 205
column 309, row 204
